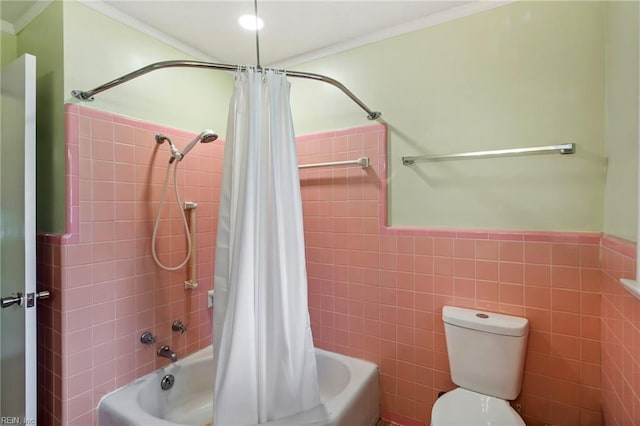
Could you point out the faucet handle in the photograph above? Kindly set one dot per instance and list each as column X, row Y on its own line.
column 147, row 338
column 179, row 326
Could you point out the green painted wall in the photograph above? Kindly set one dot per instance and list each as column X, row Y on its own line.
column 79, row 48
column 526, row 74
column 43, row 39
column 621, row 130
column 99, row 49
column 8, row 48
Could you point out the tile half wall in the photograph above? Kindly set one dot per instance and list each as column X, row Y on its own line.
column 374, row 292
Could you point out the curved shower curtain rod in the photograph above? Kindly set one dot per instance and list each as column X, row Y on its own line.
column 88, row 95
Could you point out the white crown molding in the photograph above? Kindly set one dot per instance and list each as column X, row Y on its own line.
column 113, row 13
column 30, row 15
column 406, row 27
column 7, row 27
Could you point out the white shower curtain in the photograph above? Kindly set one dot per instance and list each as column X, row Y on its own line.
column 265, row 365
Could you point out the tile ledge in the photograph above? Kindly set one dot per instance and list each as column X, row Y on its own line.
column 632, row 285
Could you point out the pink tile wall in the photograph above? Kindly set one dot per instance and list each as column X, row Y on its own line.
column 374, row 292
column 377, row 293
column 49, row 337
column 620, row 336
column 109, row 290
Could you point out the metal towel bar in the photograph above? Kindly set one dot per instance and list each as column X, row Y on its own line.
column 567, row 148
column 362, row 162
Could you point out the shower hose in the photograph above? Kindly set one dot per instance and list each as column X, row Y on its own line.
column 157, row 221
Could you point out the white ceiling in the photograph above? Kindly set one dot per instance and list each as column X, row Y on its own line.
column 294, row 31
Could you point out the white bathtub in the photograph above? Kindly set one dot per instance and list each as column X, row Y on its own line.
column 348, row 391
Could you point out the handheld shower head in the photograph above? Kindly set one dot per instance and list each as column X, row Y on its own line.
column 205, row 137
column 208, row 135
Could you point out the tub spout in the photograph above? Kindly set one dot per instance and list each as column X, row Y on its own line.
column 165, row 352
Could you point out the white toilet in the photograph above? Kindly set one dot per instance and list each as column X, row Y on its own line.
column 486, row 358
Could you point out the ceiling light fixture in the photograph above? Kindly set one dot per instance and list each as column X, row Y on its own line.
column 250, row 22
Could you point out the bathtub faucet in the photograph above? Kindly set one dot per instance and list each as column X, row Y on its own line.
column 165, row 352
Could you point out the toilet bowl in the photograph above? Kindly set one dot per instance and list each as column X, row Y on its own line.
column 462, row 407
column 486, row 354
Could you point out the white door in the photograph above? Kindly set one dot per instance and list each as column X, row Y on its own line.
column 17, row 242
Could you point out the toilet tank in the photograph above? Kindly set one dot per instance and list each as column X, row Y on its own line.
column 486, row 350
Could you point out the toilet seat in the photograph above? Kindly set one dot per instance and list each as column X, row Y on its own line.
column 462, row 407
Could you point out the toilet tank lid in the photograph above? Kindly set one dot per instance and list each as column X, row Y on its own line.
column 489, row 322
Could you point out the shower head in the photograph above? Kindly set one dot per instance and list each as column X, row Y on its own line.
column 205, row 137
column 208, row 135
